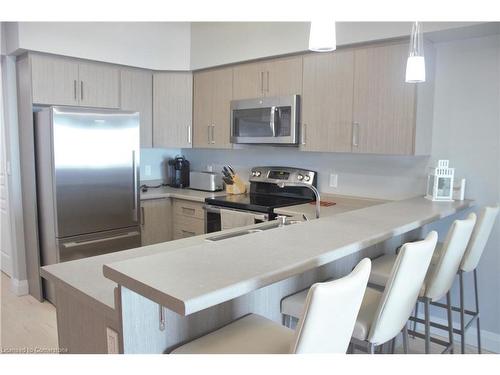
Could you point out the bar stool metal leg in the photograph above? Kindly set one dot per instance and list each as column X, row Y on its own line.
column 371, row 348
column 477, row 311
column 415, row 322
column 405, row 339
column 462, row 312
column 427, row 327
column 450, row 321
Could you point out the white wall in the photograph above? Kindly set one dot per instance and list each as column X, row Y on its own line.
column 467, row 131
column 153, row 45
column 218, row 43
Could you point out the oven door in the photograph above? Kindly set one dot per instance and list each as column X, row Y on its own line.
column 265, row 120
column 213, row 221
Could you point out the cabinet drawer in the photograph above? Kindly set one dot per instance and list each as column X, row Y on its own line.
column 188, row 227
column 189, row 209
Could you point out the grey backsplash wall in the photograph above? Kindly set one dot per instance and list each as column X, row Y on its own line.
column 155, row 159
column 374, row 176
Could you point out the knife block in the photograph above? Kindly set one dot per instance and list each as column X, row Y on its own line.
column 239, row 187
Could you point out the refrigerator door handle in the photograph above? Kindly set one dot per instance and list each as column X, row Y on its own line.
column 68, row 245
column 134, row 190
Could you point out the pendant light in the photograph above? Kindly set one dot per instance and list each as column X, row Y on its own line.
column 415, row 66
column 322, row 36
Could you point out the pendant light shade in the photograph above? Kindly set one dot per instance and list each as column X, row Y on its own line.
column 322, row 36
column 415, row 66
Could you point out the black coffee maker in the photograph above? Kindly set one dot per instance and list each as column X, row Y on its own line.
column 178, row 172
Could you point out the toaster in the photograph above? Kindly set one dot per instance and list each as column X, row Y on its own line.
column 205, row 181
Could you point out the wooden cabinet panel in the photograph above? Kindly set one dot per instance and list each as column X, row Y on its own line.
column 137, row 95
column 248, row 80
column 211, row 108
column 283, row 77
column 188, row 227
column 156, row 221
column 172, row 109
column 327, row 102
column 99, row 85
column 54, row 80
column 384, row 104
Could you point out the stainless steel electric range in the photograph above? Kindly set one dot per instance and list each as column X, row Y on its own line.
column 270, row 188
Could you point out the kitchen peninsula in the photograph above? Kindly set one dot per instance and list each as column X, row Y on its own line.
column 172, row 292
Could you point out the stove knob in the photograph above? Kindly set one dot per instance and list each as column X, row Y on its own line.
column 253, row 174
column 307, row 178
column 257, row 173
column 300, row 177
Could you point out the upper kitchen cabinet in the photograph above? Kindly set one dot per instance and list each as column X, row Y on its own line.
column 278, row 77
column 99, row 85
column 64, row 81
column 172, row 109
column 327, row 101
column 213, row 91
column 390, row 116
column 137, row 95
column 54, row 80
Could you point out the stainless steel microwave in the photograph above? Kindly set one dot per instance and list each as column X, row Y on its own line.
column 273, row 120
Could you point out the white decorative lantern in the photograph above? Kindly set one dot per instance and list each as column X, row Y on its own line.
column 440, row 182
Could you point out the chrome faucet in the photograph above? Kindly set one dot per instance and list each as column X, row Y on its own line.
column 282, row 184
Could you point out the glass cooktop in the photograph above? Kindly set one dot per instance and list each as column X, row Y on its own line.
column 255, row 202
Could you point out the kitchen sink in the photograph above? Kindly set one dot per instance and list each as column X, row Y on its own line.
column 272, row 225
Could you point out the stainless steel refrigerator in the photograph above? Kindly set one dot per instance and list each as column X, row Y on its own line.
column 87, row 169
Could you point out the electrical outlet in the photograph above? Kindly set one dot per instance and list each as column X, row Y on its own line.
column 147, row 170
column 334, row 179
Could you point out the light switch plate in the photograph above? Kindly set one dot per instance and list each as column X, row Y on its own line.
column 147, row 170
column 334, row 180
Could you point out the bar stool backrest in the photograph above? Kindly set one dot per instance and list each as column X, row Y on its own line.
column 442, row 275
column 330, row 313
column 402, row 289
column 479, row 238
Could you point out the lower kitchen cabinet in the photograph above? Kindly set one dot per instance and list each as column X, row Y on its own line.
column 189, row 218
column 156, row 221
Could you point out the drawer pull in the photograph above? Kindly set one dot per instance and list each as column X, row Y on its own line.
column 188, row 210
column 188, row 232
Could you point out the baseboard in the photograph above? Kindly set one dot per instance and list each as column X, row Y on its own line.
column 489, row 340
column 19, row 287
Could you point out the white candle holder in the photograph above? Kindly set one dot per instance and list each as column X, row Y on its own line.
column 440, row 182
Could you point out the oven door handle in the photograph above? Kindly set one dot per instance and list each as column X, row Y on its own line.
column 216, row 210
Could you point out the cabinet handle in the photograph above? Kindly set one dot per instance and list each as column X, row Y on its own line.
column 355, row 134
column 213, row 134
column 303, row 141
column 262, row 82
column 81, row 90
column 189, row 134
column 161, row 318
column 267, row 81
column 188, row 210
column 74, row 89
column 188, row 232
column 208, row 134
column 143, row 216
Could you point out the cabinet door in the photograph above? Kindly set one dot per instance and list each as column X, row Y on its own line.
column 202, row 109
column 248, row 80
column 172, row 109
column 327, row 102
column 137, row 95
column 283, row 77
column 54, row 80
column 99, row 86
column 384, row 104
column 221, row 107
column 156, row 221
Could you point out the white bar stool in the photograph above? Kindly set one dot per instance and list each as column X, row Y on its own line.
column 439, row 279
column 470, row 261
column 316, row 332
column 383, row 315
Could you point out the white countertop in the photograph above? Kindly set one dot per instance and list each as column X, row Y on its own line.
column 194, row 278
column 188, row 194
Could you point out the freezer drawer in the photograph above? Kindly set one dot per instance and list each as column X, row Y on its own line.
column 77, row 247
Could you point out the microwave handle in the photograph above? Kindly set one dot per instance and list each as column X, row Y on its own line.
column 272, row 124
